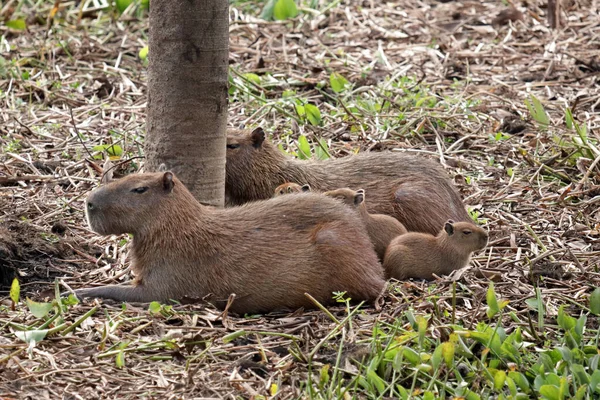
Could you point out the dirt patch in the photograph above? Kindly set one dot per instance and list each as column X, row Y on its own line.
column 34, row 254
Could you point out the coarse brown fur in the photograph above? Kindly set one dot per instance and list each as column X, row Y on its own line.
column 420, row 255
column 289, row 188
column 381, row 228
column 268, row 253
column 414, row 190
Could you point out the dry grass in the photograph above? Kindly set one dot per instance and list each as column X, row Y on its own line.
column 427, row 77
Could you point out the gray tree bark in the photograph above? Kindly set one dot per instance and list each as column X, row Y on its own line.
column 187, row 93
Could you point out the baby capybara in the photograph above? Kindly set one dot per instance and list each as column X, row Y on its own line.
column 268, row 253
column 381, row 228
column 289, row 188
column 414, row 190
column 420, row 255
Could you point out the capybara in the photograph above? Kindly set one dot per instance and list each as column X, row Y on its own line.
column 420, row 255
column 381, row 228
column 414, row 190
column 290, row 187
column 268, row 253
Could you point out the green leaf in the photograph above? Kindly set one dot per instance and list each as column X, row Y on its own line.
column 550, row 392
column 565, row 321
column 569, row 118
column 15, row 291
column 536, row 109
column 595, row 302
column 579, row 372
column 595, row 381
column 376, row 380
column 499, row 379
column 267, row 11
column 338, row 82
column 436, row 358
column 520, row 380
column 143, row 54
column 492, row 301
column 324, row 375
column 252, row 78
column 448, row 349
column 120, row 359
column 154, row 307
column 428, row 396
column 113, row 150
column 512, row 387
column 285, row 9
column 321, row 151
column 472, row 396
column 39, row 310
column 122, row 5
column 580, row 394
column 16, row 24
column 421, row 327
column 33, row 336
column 145, row 4
column 233, row 336
column 304, row 148
column 313, row 114
column 411, row 356
column 533, row 303
column 300, row 110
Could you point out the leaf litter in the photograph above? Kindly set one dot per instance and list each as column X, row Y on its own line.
column 482, row 88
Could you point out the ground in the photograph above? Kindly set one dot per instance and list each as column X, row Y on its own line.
column 511, row 109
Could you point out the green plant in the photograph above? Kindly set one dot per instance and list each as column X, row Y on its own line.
column 405, row 362
column 279, row 10
column 537, row 111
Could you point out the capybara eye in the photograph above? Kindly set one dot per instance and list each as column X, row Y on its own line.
column 233, row 145
column 139, row 190
column 467, row 232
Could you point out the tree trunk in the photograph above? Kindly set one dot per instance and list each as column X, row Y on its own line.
column 187, row 93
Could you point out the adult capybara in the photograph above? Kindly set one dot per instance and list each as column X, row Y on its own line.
column 414, row 190
column 269, row 253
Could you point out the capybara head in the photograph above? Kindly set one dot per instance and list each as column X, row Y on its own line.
column 127, row 203
column 352, row 198
column 253, row 166
column 465, row 235
column 290, row 187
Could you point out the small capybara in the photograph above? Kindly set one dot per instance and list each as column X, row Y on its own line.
column 290, row 187
column 420, row 255
column 381, row 228
column 414, row 190
column 269, row 253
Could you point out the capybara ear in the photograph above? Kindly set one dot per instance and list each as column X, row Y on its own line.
column 258, row 137
column 162, row 167
column 449, row 227
column 168, row 182
column 305, row 188
column 359, row 197
column 108, row 168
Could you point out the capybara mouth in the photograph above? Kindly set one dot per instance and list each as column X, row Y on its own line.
column 93, row 219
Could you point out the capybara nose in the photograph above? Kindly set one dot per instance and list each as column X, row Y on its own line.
column 90, row 206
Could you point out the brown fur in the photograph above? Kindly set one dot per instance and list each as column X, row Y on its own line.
column 268, row 253
column 420, row 255
column 414, row 190
column 289, row 188
column 381, row 228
